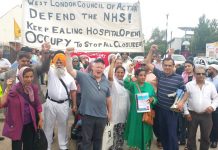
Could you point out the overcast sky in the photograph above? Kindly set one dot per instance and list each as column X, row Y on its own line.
column 153, row 13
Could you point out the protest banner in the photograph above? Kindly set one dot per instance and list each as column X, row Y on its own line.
column 86, row 25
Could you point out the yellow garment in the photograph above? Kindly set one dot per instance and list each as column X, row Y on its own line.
column 61, row 57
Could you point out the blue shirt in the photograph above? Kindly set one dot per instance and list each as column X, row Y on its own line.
column 93, row 95
column 214, row 81
column 167, row 85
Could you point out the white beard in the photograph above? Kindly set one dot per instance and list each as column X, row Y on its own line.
column 60, row 72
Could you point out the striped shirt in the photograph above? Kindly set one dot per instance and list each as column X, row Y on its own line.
column 167, row 85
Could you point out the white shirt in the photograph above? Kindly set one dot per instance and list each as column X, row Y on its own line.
column 120, row 102
column 56, row 89
column 4, row 63
column 200, row 99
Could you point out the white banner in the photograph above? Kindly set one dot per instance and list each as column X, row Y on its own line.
column 87, row 26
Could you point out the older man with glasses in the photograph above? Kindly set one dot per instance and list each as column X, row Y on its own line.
column 202, row 101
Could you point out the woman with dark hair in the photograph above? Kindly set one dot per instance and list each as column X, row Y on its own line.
column 138, row 134
column 120, row 103
column 187, row 75
column 23, row 107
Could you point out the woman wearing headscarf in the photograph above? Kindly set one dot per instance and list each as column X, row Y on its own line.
column 120, row 103
column 23, row 107
column 138, row 133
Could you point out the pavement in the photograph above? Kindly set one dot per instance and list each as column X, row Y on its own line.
column 6, row 144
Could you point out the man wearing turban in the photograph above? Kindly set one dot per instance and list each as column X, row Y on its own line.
column 61, row 90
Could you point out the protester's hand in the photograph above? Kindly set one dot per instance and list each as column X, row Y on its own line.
column 131, row 67
column 113, row 59
column 188, row 117
column 70, row 49
column 180, row 105
column 209, row 109
column 46, row 46
column 150, row 100
column 74, row 108
column 40, row 123
column 154, row 47
column 9, row 83
column 170, row 51
column 134, row 79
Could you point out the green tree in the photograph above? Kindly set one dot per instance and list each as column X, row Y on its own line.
column 206, row 32
column 157, row 37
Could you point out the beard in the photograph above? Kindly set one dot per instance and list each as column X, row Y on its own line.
column 60, row 71
column 210, row 74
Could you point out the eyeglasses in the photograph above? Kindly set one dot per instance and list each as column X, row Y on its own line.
column 203, row 74
column 99, row 88
column 75, row 61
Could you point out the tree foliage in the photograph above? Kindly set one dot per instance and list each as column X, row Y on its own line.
column 205, row 32
column 158, row 37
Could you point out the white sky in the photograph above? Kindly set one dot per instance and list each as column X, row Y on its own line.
column 153, row 13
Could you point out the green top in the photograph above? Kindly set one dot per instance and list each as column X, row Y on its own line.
column 137, row 133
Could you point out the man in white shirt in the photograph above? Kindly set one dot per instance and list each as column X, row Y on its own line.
column 202, row 101
column 213, row 77
column 57, row 103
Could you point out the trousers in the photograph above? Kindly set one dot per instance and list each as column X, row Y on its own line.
column 56, row 113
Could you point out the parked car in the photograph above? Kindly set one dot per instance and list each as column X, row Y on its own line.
column 204, row 61
column 178, row 59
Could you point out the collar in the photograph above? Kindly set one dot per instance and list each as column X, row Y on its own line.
column 173, row 74
column 103, row 77
column 205, row 82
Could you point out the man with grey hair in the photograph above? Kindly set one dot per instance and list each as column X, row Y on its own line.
column 202, row 101
column 61, row 90
column 212, row 72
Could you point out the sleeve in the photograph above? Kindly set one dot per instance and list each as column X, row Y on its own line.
column 73, row 85
column 108, row 94
column 153, row 94
column 8, row 63
column 182, row 85
column 214, row 97
column 157, row 72
column 38, row 105
column 128, row 83
column 79, row 76
column 187, row 86
column 42, row 67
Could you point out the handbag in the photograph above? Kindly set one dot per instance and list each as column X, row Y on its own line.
column 108, row 137
column 40, row 141
column 148, row 117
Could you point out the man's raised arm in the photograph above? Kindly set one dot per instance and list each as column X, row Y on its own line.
column 149, row 57
column 69, row 66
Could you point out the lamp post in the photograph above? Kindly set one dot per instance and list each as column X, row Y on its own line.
column 166, row 29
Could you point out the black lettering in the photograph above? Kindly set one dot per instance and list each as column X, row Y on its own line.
column 33, row 13
column 30, row 37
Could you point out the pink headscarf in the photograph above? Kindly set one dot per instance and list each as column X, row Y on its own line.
column 185, row 76
column 27, row 88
